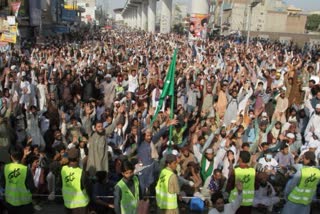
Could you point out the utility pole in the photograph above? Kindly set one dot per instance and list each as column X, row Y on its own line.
column 251, row 4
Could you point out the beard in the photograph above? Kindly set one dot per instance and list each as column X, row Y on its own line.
column 209, row 159
column 317, row 113
column 101, row 133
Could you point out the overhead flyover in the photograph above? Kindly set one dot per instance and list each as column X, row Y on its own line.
column 141, row 14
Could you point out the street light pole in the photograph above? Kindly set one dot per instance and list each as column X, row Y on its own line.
column 221, row 17
column 249, row 26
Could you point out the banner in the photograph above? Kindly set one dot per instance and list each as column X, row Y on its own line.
column 11, row 20
column 15, row 6
column 8, row 37
column 4, row 46
column 13, row 29
column 198, row 25
column 4, row 25
column 22, row 8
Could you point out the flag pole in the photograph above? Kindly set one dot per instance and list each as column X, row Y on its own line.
column 173, row 68
column 168, row 90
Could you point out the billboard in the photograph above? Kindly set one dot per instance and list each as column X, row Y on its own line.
column 198, row 26
column 8, row 37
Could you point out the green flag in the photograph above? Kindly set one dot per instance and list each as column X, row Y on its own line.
column 168, row 89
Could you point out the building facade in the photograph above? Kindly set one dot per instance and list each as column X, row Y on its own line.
column 267, row 16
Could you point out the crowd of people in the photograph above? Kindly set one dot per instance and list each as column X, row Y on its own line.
column 80, row 108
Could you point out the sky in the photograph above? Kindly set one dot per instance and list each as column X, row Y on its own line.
column 304, row 4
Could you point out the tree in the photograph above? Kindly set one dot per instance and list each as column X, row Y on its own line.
column 313, row 22
column 178, row 28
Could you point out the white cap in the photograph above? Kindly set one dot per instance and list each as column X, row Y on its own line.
column 264, row 114
column 293, row 120
column 233, row 149
column 175, row 152
column 233, row 121
column 23, row 73
column 209, row 151
column 312, row 144
column 107, row 76
column 318, row 105
column 169, row 142
column 13, row 67
column 290, row 135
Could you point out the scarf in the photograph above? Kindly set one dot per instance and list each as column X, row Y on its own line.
column 206, row 173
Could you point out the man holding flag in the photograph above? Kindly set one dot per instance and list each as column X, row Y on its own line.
column 147, row 153
column 168, row 90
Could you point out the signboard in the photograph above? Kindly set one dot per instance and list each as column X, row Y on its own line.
column 68, row 15
column 61, row 29
column 8, row 37
column 198, row 25
column 71, row 7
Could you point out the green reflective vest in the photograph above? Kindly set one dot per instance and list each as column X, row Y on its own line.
column 247, row 177
column 16, row 192
column 129, row 202
column 73, row 195
column 303, row 193
column 165, row 200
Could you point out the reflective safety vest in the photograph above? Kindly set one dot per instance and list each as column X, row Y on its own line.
column 129, row 202
column 247, row 177
column 305, row 190
column 16, row 192
column 73, row 195
column 165, row 200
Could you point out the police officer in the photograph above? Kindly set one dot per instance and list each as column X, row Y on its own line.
column 17, row 180
column 302, row 188
column 126, row 193
column 167, row 188
column 246, row 175
column 74, row 193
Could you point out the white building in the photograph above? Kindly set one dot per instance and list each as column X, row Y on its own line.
column 179, row 12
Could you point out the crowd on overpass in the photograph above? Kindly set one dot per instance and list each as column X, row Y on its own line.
column 89, row 99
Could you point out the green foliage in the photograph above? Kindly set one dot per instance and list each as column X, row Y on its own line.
column 313, row 22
